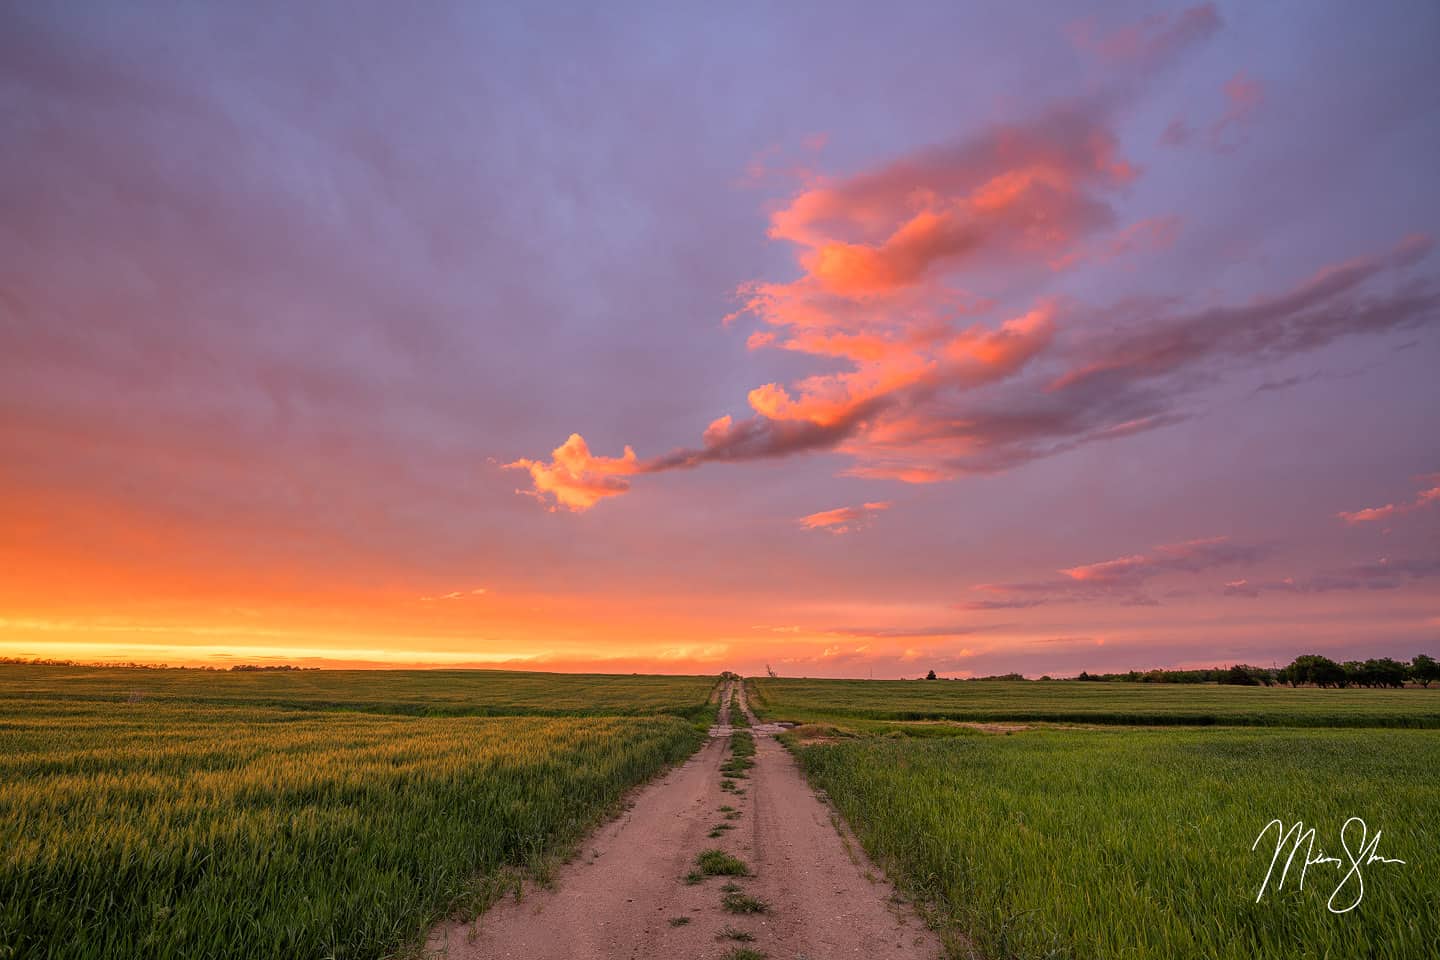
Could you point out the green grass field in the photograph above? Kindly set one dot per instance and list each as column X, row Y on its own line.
column 169, row 814
column 474, row 693
column 1116, row 841
column 1095, row 703
column 160, row 815
column 1137, row 843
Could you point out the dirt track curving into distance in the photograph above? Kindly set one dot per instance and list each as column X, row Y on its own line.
column 624, row 894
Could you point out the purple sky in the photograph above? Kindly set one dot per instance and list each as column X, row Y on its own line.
column 284, row 288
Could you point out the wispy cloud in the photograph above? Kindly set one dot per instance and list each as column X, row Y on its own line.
column 1334, row 302
column 1147, row 42
column 1386, row 573
column 1244, row 95
column 905, row 633
column 456, row 595
column 1121, row 580
column 843, row 519
column 1425, row 498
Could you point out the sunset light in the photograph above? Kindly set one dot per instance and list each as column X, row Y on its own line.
column 934, row 364
column 932, row 480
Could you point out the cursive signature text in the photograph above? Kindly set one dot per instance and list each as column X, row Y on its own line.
column 1297, row 837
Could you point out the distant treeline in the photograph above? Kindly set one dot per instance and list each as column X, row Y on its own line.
column 1311, row 669
column 48, row 662
column 280, row 666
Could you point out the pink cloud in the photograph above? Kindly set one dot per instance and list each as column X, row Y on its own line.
column 574, row 478
column 1372, row 513
column 1015, row 190
column 1423, row 499
column 1110, row 571
column 843, row 519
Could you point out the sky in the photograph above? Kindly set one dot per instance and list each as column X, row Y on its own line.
column 843, row 338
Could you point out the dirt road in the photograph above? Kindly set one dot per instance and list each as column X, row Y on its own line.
column 625, row 895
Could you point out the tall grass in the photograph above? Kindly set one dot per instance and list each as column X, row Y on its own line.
column 166, row 829
column 1103, row 703
column 1137, row 843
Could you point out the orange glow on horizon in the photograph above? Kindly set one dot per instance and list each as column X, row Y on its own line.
column 1047, row 377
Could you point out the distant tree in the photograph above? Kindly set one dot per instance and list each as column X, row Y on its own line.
column 1298, row 670
column 772, row 673
column 1386, row 672
column 1253, row 675
column 1239, row 675
column 1327, row 673
column 930, row 675
column 1313, row 668
column 1424, row 669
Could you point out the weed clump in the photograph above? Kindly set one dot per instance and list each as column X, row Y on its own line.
column 737, row 902
column 742, row 755
column 718, row 863
column 730, row 933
